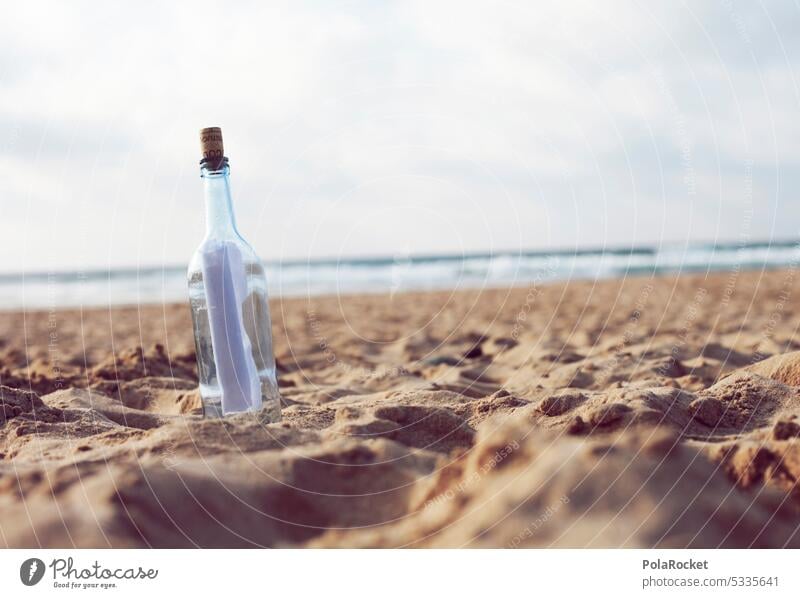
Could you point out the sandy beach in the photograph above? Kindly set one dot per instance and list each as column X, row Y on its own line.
column 646, row 412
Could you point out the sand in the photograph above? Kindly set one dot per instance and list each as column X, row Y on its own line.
column 649, row 412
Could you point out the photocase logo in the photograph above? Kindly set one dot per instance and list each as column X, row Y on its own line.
column 31, row 571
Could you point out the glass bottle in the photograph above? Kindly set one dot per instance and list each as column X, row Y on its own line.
column 230, row 310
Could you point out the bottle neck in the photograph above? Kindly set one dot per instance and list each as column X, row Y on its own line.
column 220, row 222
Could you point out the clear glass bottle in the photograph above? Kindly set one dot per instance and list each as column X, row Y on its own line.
column 230, row 310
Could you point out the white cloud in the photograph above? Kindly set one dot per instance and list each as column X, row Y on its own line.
column 366, row 127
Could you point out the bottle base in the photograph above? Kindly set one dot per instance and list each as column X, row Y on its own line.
column 268, row 413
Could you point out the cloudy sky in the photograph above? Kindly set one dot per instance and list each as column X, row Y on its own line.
column 372, row 128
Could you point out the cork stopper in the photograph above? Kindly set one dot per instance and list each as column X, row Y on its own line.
column 211, row 147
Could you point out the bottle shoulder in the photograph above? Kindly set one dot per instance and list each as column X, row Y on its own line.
column 210, row 243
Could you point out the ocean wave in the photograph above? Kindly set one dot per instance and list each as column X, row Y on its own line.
column 43, row 290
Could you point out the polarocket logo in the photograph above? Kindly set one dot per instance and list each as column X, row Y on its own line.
column 31, row 571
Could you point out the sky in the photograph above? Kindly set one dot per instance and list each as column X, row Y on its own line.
column 395, row 128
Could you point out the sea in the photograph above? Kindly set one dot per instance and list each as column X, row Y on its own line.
column 396, row 274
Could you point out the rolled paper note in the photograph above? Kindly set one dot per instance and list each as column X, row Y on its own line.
column 225, row 288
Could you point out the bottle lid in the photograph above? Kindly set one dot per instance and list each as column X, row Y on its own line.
column 211, row 147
